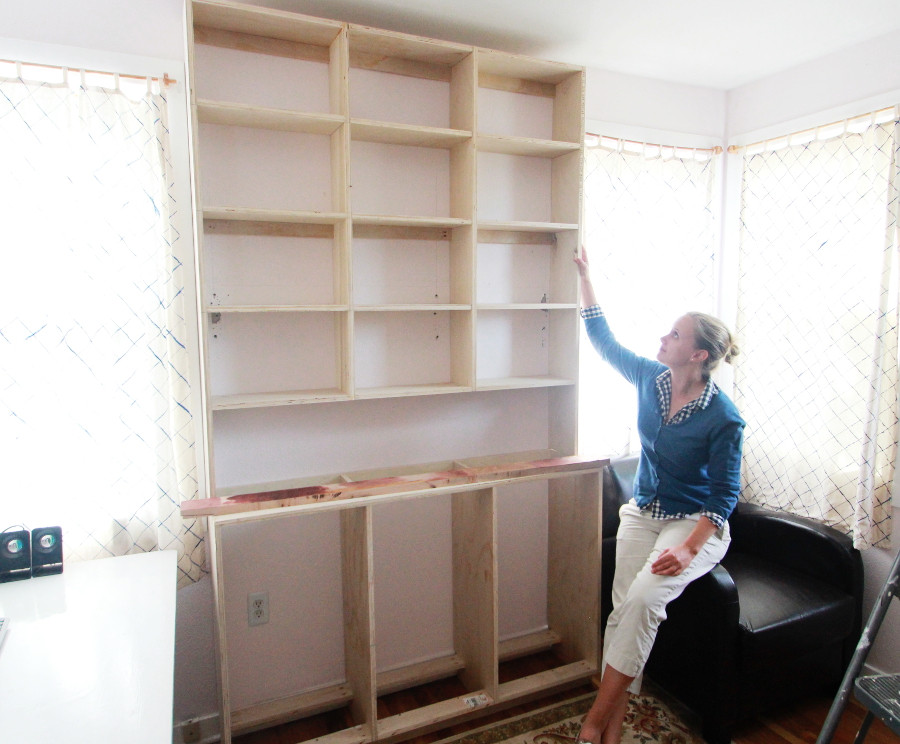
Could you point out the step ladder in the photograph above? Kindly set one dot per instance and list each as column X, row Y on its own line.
column 880, row 694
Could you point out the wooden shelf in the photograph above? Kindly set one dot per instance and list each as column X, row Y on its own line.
column 270, row 25
column 528, row 306
column 245, row 115
column 515, row 383
column 405, row 134
column 405, row 391
column 214, row 309
column 528, row 227
column 401, row 221
column 273, row 400
column 525, row 146
column 410, row 308
column 272, row 215
column 404, row 54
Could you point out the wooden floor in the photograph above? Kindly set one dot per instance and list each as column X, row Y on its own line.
column 799, row 724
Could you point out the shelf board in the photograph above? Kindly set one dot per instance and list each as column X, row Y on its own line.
column 401, row 221
column 258, row 117
column 404, row 54
column 536, row 227
column 252, row 214
column 402, row 391
column 271, row 400
column 403, row 308
column 266, row 23
column 388, row 133
column 539, row 148
column 495, row 64
column 528, row 306
column 514, row 383
column 214, row 309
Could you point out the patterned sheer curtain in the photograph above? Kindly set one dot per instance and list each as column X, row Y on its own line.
column 97, row 429
column 817, row 318
column 651, row 234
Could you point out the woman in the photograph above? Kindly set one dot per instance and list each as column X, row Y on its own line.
column 687, row 482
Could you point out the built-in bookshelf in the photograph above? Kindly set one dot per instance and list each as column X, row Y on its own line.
column 383, row 216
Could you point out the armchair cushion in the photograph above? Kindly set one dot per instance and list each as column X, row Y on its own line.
column 785, row 613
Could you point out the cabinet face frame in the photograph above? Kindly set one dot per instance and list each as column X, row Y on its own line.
column 573, row 573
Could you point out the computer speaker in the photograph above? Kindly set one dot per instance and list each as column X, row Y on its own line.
column 46, row 551
column 15, row 555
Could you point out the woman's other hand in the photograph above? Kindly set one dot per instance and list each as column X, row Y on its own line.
column 672, row 561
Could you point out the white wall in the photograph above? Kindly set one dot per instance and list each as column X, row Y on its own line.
column 147, row 38
column 645, row 110
column 855, row 80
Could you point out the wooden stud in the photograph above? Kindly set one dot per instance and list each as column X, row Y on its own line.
column 475, row 610
column 359, row 610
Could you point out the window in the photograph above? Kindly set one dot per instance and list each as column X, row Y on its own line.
column 97, row 431
column 651, row 234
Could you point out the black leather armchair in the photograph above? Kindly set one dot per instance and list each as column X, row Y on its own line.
column 778, row 619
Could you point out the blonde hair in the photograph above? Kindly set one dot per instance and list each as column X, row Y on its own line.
column 713, row 336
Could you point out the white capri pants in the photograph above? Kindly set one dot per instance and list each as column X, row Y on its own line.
column 639, row 597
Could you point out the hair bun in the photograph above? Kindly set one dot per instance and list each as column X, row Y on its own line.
column 732, row 352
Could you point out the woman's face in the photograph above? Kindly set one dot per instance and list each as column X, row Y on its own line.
column 677, row 347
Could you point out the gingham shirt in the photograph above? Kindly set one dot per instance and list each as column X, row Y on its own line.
column 664, row 396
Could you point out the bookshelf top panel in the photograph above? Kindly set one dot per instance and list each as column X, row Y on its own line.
column 265, row 22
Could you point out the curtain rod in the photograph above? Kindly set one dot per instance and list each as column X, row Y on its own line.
column 165, row 80
column 884, row 113
column 714, row 150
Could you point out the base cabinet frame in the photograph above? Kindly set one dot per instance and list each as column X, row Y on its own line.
column 573, row 578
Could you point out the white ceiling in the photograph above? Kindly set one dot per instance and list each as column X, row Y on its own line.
column 711, row 43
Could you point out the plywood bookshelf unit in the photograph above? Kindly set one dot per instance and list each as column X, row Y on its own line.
column 407, row 208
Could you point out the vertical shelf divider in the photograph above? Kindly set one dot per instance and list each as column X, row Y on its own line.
column 475, row 603
column 359, row 621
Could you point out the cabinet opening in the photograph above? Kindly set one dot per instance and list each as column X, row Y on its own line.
column 514, row 114
column 414, row 351
column 514, row 188
column 253, row 78
column 400, row 180
column 547, row 558
column 258, row 168
column 280, row 354
column 519, row 347
column 523, row 269
column 271, row 264
column 277, row 673
column 411, row 266
column 394, row 98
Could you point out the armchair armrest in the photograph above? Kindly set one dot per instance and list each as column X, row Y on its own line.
column 798, row 543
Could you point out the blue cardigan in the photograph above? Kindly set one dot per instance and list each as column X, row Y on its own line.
column 689, row 466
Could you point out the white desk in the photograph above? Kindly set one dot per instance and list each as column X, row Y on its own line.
column 89, row 654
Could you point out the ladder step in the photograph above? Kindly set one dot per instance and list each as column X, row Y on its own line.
column 880, row 693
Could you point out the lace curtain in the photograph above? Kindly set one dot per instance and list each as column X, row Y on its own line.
column 651, row 235
column 97, row 430
column 817, row 318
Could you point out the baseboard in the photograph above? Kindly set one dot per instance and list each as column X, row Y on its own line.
column 209, row 729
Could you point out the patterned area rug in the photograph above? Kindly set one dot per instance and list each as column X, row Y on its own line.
column 652, row 717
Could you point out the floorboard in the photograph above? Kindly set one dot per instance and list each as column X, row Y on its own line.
column 796, row 724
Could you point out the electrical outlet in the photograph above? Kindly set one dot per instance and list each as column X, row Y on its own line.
column 258, row 608
column 190, row 731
